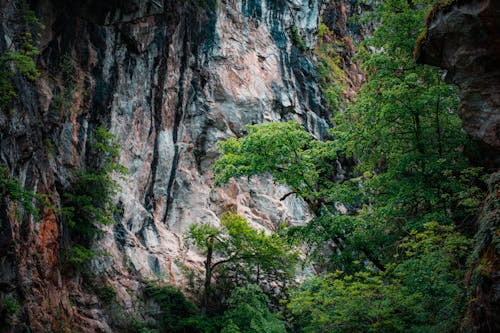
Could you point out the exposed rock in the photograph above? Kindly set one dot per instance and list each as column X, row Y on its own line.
column 170, row 79
column 335, row 15
column 464, row 38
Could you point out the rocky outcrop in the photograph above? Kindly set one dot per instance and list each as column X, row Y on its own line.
column 169, row 79
column 336, row 16
column 463, row 37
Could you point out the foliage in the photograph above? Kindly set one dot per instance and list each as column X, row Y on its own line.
column 19, row 58
column 90, row 200
column 483, row 261
column 11, row 189
column 9, row 308
column 387, row 225
column 323, row 31
column 406, row 138
column 351, row 303
column 239, row 254
column 106, row 293
column 294, row 157
column 176, row 313
column 329, row 67
column 78, row 255
column 248, row 312
column 432, row 264
column 421, row 292
column 297, row 39
column 286, row 151
column 63, row 97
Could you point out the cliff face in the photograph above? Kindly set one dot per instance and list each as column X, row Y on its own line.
column 169, row 79
column 463, row 37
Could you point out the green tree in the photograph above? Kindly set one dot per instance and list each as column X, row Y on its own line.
column 294, row 157
column 405, row 136
column 248, row 312
column 387, row 225
column 239, row 254
column 421, row 291
column 176, row 313
column 432, row 263
column 362, row 302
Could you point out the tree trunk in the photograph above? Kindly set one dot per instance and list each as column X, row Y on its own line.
column 208, row 274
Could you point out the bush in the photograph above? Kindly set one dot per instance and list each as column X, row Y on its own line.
column 9, row 307
column 176, row 313
column 298, row 41
column 10, row 189
column 248, row 312
column 20, row 58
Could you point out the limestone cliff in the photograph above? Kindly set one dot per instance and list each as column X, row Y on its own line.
column 169, row 79
column 463, row 37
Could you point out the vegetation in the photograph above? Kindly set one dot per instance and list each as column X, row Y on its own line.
column 11, row 190
column 237, row 254
column 422, row 291
column 389, row 241
column 176, row 313
column 329, row 67
column 19, row 58
column 9, row 306
column 89, row 202
column 248, row 312
column 386, row 237
column 297, row 39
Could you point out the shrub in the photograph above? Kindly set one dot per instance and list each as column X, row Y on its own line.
column 298, row 41
column 89, row 202
column 19, row 58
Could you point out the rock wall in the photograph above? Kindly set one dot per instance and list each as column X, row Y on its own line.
column 463, row 37
column 169, row 79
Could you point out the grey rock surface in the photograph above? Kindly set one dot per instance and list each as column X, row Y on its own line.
column 464, row 38
column 169, row 79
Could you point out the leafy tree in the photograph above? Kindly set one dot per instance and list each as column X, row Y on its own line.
column 362, row 302
column 286, row 151
column 239, row 254
column 294, row 157
column 431, row 263
column 248, row 312
column 175, row 311
column 406, row 138
column 422, row 291
column 387, row 225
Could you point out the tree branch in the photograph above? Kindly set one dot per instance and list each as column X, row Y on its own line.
column 287, row 195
